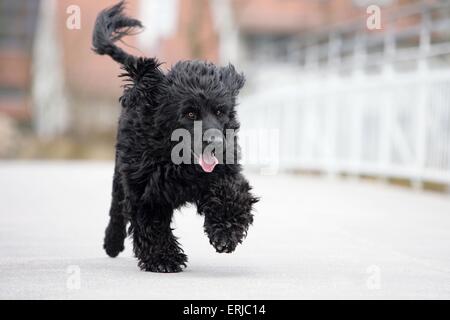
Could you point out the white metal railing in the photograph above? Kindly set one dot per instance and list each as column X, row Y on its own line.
column 391, row 124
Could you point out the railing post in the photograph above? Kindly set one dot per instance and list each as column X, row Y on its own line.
column 421, row 115
column 334, row 46
column 360, row 56
column 334, row 60
column 387, row 114
column 311, row 61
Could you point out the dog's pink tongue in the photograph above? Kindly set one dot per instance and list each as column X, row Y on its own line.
column 207, row 162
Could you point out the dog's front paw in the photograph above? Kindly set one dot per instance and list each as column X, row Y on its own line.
column 164, row 263
column 226, row 240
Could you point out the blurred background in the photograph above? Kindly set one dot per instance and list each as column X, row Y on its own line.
column 346, row 98
column 345, row 101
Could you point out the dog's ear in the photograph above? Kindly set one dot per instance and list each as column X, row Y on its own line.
column 233, row 80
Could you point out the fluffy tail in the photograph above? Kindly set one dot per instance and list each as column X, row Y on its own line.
column 111, row 25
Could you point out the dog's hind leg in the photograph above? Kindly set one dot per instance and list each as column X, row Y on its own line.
column 115, row 233
column 155, row 246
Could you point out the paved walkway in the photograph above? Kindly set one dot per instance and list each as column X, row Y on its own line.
column 312, row 238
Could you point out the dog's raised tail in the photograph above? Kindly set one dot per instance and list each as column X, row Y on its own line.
column 111, row 25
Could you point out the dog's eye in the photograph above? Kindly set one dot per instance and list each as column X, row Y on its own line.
column 191, row 115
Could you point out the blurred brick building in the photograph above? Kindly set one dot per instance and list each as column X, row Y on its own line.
column 215, row 30
column 17, row 24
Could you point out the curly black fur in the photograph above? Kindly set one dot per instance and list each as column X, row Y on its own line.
column 147, row 185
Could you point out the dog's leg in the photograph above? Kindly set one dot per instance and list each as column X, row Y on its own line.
column 155, row 246
column 227, row 206
column 115, row 233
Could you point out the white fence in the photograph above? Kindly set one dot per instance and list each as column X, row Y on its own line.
column 390, row 124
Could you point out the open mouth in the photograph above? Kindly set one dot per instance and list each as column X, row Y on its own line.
column 207, row 160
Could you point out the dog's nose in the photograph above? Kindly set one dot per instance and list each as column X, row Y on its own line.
column 214, row 140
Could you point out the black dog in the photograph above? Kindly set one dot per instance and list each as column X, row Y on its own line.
column 148, row 186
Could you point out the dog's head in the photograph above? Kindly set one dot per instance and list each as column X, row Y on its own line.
column 200, row 98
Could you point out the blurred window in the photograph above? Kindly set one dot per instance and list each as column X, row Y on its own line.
column 17, row 27
column 273, row 47
column 17, row 23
